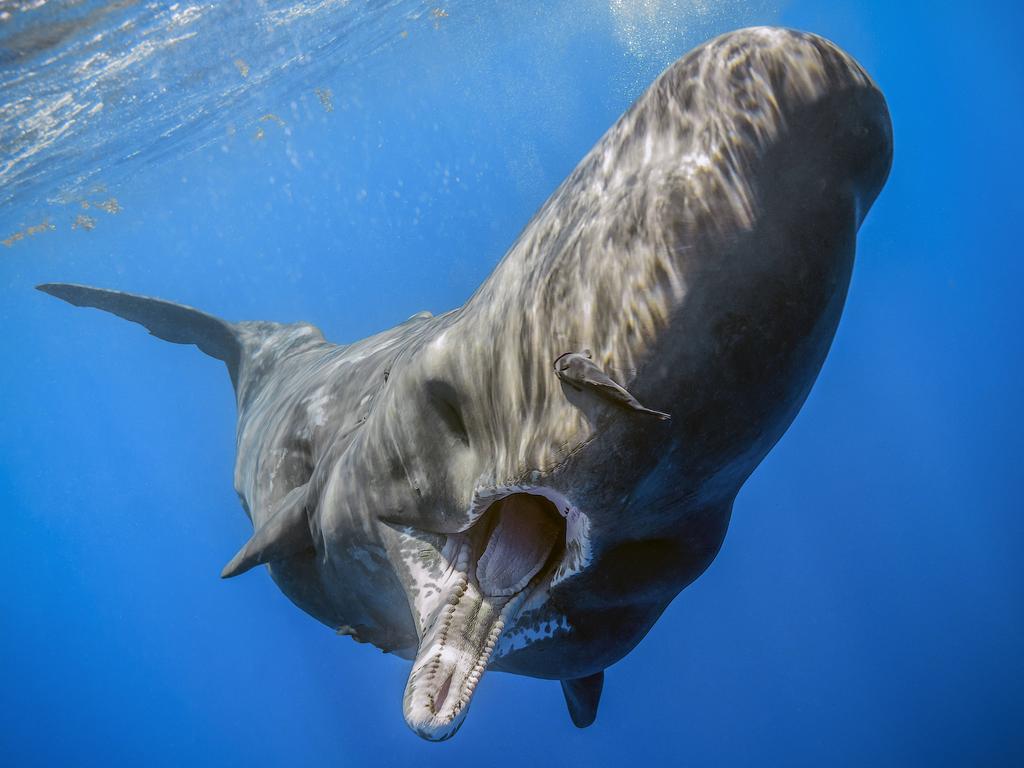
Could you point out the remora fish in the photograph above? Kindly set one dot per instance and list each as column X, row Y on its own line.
column 445, row 491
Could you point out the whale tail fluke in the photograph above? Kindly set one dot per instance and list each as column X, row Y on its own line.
column 164, row 319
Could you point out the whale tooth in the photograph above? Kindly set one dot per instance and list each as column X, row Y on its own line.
column 286, row 533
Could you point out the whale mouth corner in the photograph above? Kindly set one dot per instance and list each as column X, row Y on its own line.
column 509, row 552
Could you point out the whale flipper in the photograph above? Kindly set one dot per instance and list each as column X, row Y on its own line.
column 286, row 533
column 580, row 372
column 164, row 319
column 582, row 696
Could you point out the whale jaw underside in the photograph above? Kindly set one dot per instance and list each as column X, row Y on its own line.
column 526, row 482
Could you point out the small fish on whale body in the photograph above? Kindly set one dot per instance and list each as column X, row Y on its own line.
column 435, row 491
column 580, row 372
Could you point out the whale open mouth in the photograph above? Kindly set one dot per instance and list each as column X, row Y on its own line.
column 494, row 566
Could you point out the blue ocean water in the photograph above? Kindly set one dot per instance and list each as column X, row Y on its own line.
column 351, row 163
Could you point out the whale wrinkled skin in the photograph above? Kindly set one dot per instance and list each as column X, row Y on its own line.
column 444, row 491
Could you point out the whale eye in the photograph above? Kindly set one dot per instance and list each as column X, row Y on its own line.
column 445, row 401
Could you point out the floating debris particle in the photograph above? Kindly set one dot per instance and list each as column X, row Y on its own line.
column 269, row 117
column 110, row 206
column 272, row 116
column 242, row 67
column 404, row 34
column 85, row 205
column 324, row 94
column 43, row 226
column 35, row 229
column 84, row 222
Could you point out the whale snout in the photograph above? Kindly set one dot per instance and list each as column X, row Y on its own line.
column 867, row 144
column 832, row 114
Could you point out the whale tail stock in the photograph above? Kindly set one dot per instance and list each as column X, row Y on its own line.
column 164, row 319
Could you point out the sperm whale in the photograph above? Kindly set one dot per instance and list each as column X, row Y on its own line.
column 525, row 482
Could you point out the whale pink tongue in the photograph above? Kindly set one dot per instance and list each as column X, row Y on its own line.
column 518, row 547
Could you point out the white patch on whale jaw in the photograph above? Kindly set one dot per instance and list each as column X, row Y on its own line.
column 467, row 590
column 521, row 636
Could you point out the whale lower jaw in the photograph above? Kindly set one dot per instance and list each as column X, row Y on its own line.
column 509, row 554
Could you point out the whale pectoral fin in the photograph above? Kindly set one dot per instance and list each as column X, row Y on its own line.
column 582, row 696
column 286, row 533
